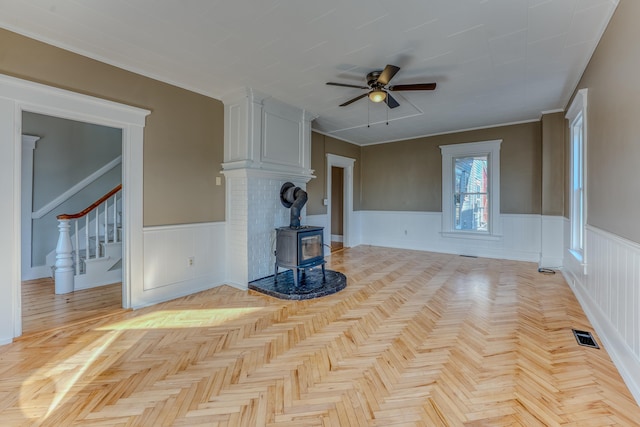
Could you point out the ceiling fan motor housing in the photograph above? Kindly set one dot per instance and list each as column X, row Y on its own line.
column 372, row 79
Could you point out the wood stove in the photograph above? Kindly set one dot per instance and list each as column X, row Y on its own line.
column 299, row 248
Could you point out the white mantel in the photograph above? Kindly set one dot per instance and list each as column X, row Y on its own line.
column 264, row 133
column 266, row 144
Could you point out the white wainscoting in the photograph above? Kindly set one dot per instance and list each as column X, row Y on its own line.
column 521, row 235
column 552, row 243
column 521, row 240
column 167, row 250
column 609, row 293
column 356, row 228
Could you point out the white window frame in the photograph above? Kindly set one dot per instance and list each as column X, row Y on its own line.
column 491, row 149
column 577, row 116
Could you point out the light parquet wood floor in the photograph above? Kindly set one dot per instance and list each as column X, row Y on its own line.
column 416, row 338
column 43, row 310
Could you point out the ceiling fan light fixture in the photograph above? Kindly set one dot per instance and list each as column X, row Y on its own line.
column 379, row 89
column 377, row 95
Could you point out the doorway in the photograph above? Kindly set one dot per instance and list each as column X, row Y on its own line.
column 21, row 95
column 344, row 204
column 66, row 166
column 337, row 208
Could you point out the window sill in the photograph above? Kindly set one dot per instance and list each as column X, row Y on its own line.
column 580, row 259
column 577, row 255
column 470, row 235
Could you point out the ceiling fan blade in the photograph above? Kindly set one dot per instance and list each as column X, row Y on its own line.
column 415, row 86
column 387, row 74
column 346, row 85
column 391, row 101
column 354, row 99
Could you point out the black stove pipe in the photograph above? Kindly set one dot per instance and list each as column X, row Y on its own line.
column 295, row 198
column 300, row 200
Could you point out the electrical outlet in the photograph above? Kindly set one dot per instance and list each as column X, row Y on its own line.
column 190, row 261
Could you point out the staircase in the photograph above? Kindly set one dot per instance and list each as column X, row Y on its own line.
column 89, row 249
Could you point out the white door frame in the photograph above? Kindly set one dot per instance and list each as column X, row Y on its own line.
column 28, row 146
column 16, row 96
column 346, row 163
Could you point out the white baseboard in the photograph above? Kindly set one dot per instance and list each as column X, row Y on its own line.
column 177, row 290
column 547, row 262
column 609, row 296
column 336, row 238
column 240, row 286
column 81, row 282
column 38, row 272
column 622, row 356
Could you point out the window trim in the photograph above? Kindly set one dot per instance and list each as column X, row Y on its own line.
column 491, row 149
column 578, row 111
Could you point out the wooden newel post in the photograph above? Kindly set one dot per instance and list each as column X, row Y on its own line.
column 64, row 260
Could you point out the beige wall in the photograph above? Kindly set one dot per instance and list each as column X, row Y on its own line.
column 613, row 145
column 407, row 175
column 321, row 145
column 402, row 176
column 183, row 143
column 553, row 166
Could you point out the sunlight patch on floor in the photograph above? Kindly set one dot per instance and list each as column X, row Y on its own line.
column 60, row 384
column 178, row 319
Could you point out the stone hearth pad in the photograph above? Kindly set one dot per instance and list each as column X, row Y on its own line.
column 310, row 285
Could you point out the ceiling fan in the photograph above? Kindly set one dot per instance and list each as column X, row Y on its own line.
column 378, row 89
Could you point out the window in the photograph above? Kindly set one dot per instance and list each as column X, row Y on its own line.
column 470, row 197
column 471, row 189
column 577, row 116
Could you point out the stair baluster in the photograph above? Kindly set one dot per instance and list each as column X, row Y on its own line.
column 64, row 261
column 96, row 234
column 77, row 245
column 106, row 222
column 86, row 245
column 115, row 219
column 71, row 264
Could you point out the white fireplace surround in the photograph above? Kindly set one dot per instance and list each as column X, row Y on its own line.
column 267, row 143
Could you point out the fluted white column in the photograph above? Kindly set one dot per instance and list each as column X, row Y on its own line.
column 64, row 260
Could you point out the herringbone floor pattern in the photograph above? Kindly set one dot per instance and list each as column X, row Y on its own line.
column 43, row 310
column 416, row 338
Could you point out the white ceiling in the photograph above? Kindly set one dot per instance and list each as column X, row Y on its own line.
column 495, row 61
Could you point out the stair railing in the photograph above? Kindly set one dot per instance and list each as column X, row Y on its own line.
column 68, row 260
